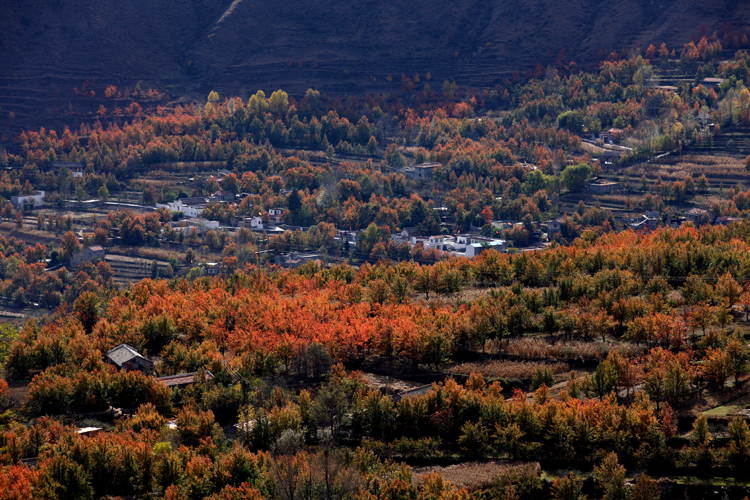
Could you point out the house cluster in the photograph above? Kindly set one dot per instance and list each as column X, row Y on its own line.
column 700, row 217
column 461, row 245
column 651, row 219
column 256, row 224
column 194, row 206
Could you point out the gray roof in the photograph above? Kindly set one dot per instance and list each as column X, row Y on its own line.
column 417, row 391
column 195, row 200
column 66, row 164
column 183, row 379
column 123, row 353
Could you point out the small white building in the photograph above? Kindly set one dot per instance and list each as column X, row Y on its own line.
column 440, row 242
column 189, row 208
column 275, row 214
column 256, row 222
column 350, row 236
column 200, row 225
column 36, row 199
column 470, row 245
column 475, row 249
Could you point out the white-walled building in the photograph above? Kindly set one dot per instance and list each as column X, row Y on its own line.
column 201, row 225
column 475, row 249
column 189, row 208
column 36, row 198
column 275, row 214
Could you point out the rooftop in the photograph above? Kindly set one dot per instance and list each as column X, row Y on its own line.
column 603, row 182
column 66, row 164
column 696, row 211
column 417, row 391
column 122, row 354
column 182, row 378
column 494, row 243
column 88, row 430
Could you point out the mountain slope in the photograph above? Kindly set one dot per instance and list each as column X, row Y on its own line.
column 48, row 47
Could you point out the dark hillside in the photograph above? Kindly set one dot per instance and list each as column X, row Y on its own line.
column 100, row 39
column 475, row 42
column 244, row 42
column 188, row 47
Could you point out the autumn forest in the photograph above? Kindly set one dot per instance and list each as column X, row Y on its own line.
column 537, row 289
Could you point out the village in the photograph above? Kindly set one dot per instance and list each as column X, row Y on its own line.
column 190, row 225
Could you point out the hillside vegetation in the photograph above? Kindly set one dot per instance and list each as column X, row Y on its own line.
column 223, row 297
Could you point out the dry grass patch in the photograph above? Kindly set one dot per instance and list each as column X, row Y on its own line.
column 543, row 350
column 148, row 253
column 476, row 476
column 695, row 165
column 508, row 369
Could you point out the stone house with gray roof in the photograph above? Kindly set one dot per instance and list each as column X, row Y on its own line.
column 127, row 358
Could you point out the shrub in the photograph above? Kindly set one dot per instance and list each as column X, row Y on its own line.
column 542, row 375
column 508, row 369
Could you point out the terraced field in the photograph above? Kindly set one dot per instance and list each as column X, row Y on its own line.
column 130, row 269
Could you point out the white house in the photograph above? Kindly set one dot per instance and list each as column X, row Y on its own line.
column 36, row 198
column 201, row 225
column 440, row 242
column 274, row 214
column 475, row 249
column 189, row 209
